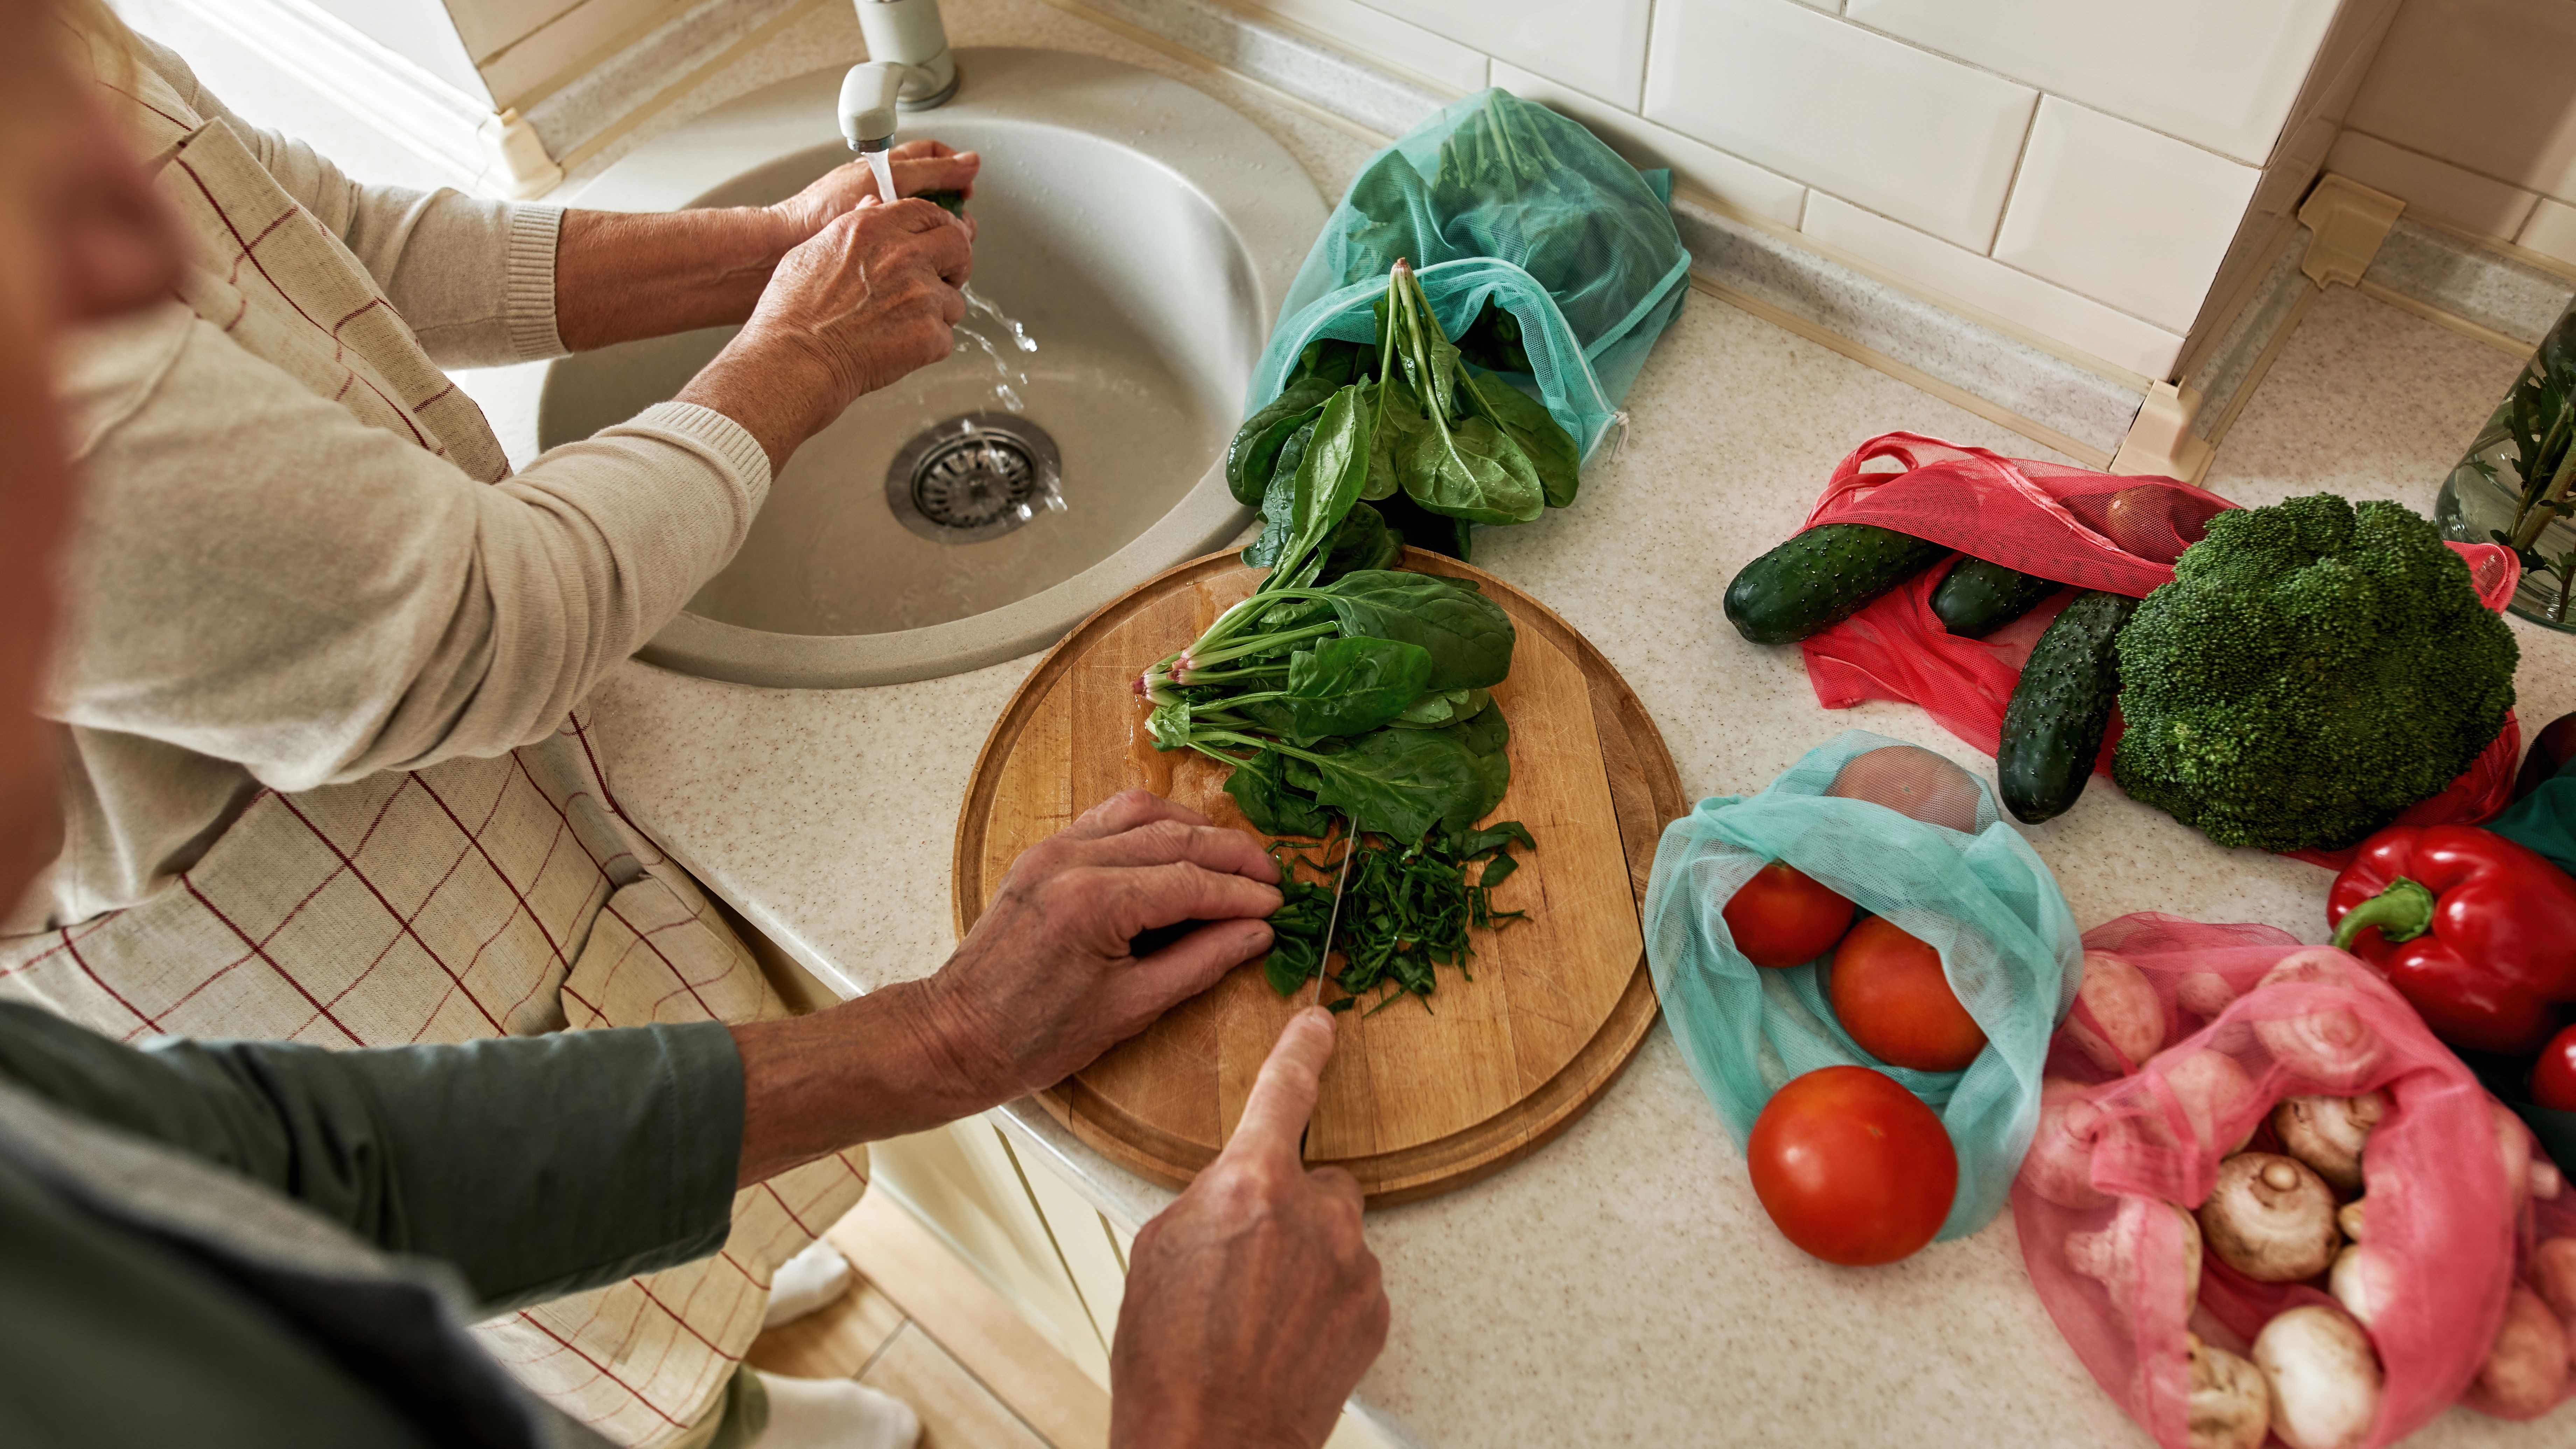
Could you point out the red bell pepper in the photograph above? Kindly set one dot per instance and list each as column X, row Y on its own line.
column 2476, row 931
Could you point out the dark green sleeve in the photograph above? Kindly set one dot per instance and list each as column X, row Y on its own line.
column 536, row 1165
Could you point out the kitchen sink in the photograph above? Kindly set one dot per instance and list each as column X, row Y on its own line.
column 1139, row 231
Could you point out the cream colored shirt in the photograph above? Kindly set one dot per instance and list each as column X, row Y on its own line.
column 267, row 591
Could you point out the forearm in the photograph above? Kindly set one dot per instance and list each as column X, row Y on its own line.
column 868, row 1069
column 536, row 1165
column 623, row 275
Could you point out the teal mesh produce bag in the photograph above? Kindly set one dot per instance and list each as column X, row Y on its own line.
column 1497, row 198
column 1980, row 896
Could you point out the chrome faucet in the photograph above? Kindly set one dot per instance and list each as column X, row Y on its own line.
column 908, row 69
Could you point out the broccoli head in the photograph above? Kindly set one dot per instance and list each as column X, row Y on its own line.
column 2313, row 669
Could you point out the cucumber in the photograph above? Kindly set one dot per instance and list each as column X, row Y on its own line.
column 2053, row 725
column 1979, row 597
column 1822, row 577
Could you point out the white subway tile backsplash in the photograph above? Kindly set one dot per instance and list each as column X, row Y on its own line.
column 2486, row 85
column 2219, row 73
column 1930, row 264
column 2123, row 214
column 2551, row 231
column 1928, row 141
column 1742, row 185
column 1380, row 39
column 1598, row 46
column 2479, row 203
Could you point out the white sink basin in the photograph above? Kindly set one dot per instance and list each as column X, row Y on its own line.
column 1142, row 232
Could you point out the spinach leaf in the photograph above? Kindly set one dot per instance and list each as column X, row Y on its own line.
column 1491, row 839
column 1351, row 685
column 1275, row 807
column 1471, row 470
column 1528, row 423
column 1397, row 416
column 1469, row 635
column 1279, row 504
column 1440, row 710
column 1335, row 361
column 1484, row 738
column 1329, row 474
column 1421, row 528
column 1254, row 454
column 1401, row 783
column 1460, row 464
column 1362, row 542
column 1493, row 340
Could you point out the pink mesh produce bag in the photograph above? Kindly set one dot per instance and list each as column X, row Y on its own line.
column 2184, row 1038
column 2530, row 1367
column 2059, row 523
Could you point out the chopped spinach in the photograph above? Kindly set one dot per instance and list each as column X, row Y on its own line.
column 1406, row 910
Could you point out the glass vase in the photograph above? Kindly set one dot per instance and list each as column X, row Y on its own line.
column 2489, row 499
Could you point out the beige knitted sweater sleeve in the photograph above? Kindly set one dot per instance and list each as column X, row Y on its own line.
column 475, row 279
column 266, row 591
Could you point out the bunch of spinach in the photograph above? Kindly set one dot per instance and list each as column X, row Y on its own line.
column 1407, row 910
column 1446, row 445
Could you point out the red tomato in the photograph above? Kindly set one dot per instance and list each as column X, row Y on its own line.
column 1889, row 993
column 2553, row 1081
column 1852, row 1167
column 1782, row 917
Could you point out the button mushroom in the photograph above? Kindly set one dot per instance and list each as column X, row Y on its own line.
column 2059, row 1166
column 2324, row 1377
column 2553, row 1268
column 2117, row 1256
column 2348, row 1217
column 2270, row 1218
column 2205, row 994
column 2333, row 1047
column 2363, row 1282
column 2118, row 1020
column 2526, row 1369
column 2213, row 1092
column 2230, row 1407
column 2327, row 1133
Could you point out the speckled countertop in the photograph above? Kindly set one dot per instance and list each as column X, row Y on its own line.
column 1622, row 1285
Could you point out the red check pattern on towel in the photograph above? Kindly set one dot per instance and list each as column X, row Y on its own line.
column 475, row 898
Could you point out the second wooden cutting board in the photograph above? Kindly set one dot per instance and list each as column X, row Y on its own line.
column 1415, row 1101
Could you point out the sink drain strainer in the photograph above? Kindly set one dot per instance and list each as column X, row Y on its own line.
column 975, row 476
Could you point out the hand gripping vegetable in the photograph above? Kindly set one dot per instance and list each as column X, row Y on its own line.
column 2478, row 933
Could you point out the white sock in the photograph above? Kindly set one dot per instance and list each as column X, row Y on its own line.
column 812, row 1279
column 835, row 1414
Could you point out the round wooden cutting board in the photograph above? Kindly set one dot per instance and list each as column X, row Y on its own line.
column 1415, row 1102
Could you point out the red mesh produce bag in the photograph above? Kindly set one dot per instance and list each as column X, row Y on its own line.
column 2531, row 1363
column 2220, row 1023
column 2059, row 523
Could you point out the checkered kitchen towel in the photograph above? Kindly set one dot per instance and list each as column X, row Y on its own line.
column 474, row 898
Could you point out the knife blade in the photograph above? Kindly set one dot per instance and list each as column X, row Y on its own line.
column 1332, row 923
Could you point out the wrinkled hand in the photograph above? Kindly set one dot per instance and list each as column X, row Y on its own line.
column 1253, row 1304
column 1045, row 982
column 918, row 166
column 867, row 299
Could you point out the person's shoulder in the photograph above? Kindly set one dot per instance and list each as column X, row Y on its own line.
column 108, row 370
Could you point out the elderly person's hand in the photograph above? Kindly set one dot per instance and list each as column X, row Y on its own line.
column 1048, row 980
column 1253, row 1305
column 918, row 166
column 871, row 297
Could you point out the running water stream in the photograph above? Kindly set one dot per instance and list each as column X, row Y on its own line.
column 1002, row 365
column 883, row 166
